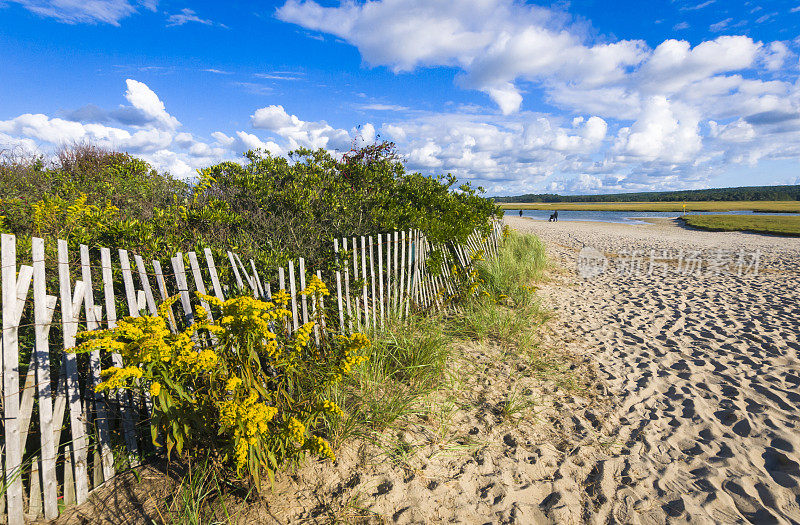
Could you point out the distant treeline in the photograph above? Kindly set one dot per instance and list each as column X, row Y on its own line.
column 745, row 193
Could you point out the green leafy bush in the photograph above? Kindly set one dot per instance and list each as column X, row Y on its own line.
column 267, row 208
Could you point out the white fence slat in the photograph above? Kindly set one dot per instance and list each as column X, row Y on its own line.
column 198, row 283
column 183, row 288
column 70, row 311
column 145, row 282
column 380, row 275
column 101, row 414
column 212, row 270
column 293, row 293
column 356, row 294
column 127, row 279
column 123, row 397
column 374, row 305
column 395, row 269
column 43, row 309
column 401, row 307
column 35, row 497
column 13, row 453
column 26, row 403
column 257, row 280
column 364, row 283
column 69, row 477
column 411, row 263
column 250, row 280
column 338, row 285
column 236, row 274
column 303, row 298
column 347, row 287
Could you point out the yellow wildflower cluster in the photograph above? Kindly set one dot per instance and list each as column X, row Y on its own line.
column 233, row 383
column 303, row 335
column 331, row 408
column 247, row 314
column 352, row 344
column 297, row 430
column 241, row 383
column 316, row 286
column 281, row 298
column 320, row 447
column 118, row 377
column 248, row 420
column 196, row 362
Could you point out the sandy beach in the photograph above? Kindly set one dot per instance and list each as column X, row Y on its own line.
column 703, row 369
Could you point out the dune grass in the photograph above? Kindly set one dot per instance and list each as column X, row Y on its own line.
column 407, row 361
column 676, row 206
column 410, row 359
column 787, row 225
column 509, row 277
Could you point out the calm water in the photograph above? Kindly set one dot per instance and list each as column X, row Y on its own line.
column 628, row 217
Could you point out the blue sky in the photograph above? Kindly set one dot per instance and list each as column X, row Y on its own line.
column 586, row 96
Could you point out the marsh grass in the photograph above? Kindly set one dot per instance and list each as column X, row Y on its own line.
column 517, row 405
column 776, row 225
column 199, row 499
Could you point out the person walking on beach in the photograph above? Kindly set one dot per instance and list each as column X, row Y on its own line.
column 555, row 216
column 520, row 213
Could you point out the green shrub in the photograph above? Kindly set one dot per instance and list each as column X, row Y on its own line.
column 270, row 209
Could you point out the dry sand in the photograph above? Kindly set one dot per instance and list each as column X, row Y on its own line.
column 673, row 398
column 704, row 369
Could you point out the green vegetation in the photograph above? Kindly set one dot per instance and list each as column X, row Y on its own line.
column 268, row 208
column 505, row 310
column 789, row 226
column 756, row 206
column 744, row 193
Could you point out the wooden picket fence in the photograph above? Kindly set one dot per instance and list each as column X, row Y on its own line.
column 49, row 463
